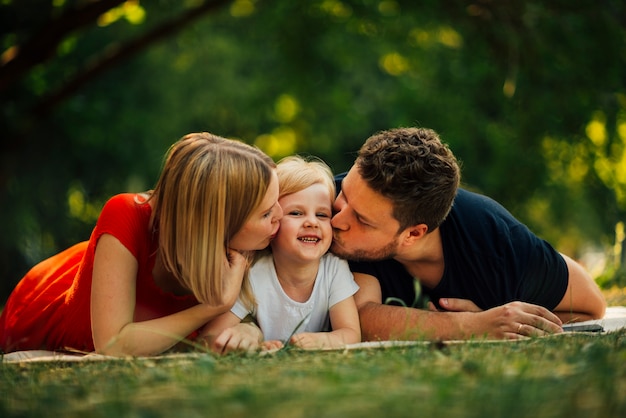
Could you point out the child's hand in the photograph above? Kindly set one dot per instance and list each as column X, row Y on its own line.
column 271, row 345
column 311, row 340
column 241, row 337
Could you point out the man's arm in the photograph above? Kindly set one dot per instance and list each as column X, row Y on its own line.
column 583, row 299
column 385, row 322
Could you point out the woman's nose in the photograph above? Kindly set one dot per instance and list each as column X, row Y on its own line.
column 279, row 213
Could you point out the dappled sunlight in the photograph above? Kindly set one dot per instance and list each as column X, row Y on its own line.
column 419, row 37
column 366, row 28
column 283, row 140
column 286, row 108
column 509, row 87
column 336, row 9
column 280, row 143
column 242, row 8
column 444, row 35
column 609, row 157
column 394, row 63
column 578, row 166
column 567, row 163
column 388, row 8
column 596, row 130
column 449, row 37
column 67, row 46
column 79, row 208
column 130, row 10
column 618, row 248
column 538, row 210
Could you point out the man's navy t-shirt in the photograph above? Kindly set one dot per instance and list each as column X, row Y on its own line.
column 490, row 258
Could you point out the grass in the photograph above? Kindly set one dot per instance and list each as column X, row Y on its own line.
column 560, row 376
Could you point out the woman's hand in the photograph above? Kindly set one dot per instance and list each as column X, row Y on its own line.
column 235, row 265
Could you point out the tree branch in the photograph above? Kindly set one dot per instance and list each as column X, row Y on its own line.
column 115, row 54
column 42, row 46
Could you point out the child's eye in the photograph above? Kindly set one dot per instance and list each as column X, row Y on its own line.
column 295, row 213
column 323, row 215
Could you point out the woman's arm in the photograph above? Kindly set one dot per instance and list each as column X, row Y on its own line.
column 344, row 319
column 113, row 305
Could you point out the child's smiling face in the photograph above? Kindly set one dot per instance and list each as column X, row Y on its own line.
column 305, row 230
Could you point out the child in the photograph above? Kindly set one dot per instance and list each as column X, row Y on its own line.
column 159, row 265
column 300, row 288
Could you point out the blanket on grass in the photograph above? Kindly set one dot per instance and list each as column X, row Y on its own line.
column 614, row 320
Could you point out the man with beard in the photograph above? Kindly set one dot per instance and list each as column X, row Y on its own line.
column 401, row 219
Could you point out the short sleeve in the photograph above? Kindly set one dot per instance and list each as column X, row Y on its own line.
column 127, row 219
column 342, row 281
column 240, row 310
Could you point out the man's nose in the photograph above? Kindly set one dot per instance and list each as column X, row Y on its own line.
column 337, row 221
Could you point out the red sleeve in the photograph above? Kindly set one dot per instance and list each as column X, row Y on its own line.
column 128, row 220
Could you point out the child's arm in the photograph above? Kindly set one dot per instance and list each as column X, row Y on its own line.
column 344, row 319
column 227, row 333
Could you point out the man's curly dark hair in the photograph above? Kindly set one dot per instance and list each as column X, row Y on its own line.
column 415, row 170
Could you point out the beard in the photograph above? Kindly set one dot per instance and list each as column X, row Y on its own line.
column 385, row 252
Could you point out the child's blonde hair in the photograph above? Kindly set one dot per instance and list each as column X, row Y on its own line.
column 296, row 173
column 208, row 188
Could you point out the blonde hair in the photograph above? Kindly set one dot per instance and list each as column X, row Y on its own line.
column 208, row 188
column 296, row 173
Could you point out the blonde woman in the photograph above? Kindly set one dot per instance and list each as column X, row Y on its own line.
column 303, row 294
column 159, row 265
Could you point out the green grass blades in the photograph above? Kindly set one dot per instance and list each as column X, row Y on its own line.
column 560, row 376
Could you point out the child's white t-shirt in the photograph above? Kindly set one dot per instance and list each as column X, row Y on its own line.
column 278, row 315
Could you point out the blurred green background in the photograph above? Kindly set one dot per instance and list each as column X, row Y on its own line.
column 530, row 95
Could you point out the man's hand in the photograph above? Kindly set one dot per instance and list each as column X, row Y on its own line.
column 513, row 320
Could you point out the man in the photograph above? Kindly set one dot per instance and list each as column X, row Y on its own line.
column 401, row 217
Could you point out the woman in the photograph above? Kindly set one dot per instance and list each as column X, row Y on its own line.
column 158, row 265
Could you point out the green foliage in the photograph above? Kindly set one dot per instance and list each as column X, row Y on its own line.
column 612, row 278
column 560, row 376
column 420, row 301
column 516, row 88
